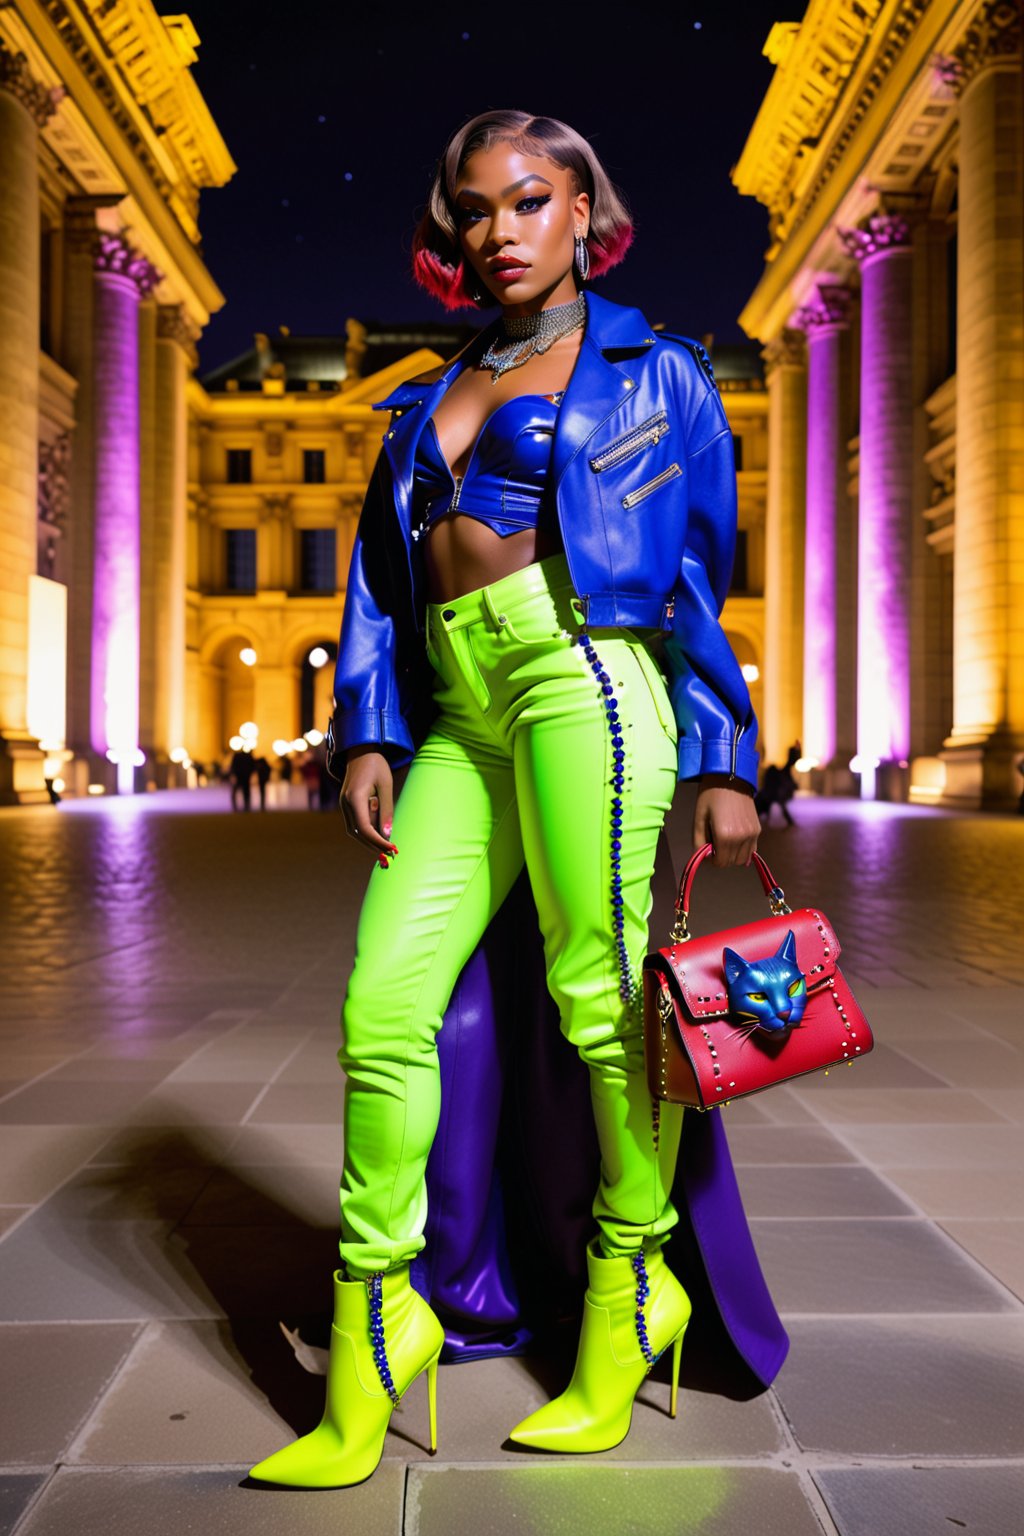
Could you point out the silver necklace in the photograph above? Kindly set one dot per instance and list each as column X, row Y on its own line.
column 522, row 336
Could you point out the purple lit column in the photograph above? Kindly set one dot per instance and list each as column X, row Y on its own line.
column 826, row 566
column 123, row 276
column 886, row 503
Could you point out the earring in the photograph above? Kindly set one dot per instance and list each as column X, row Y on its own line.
column 582, row 257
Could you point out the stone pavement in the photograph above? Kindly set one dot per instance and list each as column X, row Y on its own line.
column 169, row 1154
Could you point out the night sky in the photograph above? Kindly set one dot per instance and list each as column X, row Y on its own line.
column 337, row 113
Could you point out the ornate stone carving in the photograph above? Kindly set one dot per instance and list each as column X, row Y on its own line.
column 995, row 34
column 53, row 499
column 884, row 231
column 114, row 254
column 276, row 505
column 788, row 349
column 40, row 101
column 174, row 324
column 832, row 309
column 54, row 496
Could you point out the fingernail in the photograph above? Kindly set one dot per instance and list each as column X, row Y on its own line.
column 382, row 860
column 387, row 829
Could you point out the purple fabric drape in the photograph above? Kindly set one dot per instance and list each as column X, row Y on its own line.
column 514, row 1167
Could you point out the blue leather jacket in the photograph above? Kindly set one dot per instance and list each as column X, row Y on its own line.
column 645, row 485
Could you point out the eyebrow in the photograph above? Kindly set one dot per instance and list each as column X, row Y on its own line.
column 507, row 191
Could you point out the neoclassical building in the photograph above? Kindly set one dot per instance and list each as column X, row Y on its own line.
column 105, row 143
column 888, row 151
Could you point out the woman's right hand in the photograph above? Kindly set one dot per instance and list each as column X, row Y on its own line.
column 367, row 799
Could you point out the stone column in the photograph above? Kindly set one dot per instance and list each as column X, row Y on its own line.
column 147, row 551
column 988, row 563
column 886, row 504
column 786, row 368
column 175, row 356
column 25, row 107
column 830, row 619
column 123, row 276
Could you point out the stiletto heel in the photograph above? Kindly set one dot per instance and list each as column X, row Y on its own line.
column 677, row 1352
column 432, row 1401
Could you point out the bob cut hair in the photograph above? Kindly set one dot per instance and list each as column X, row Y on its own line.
column 437, row 261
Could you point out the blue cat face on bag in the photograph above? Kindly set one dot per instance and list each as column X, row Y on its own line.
column 769, row 993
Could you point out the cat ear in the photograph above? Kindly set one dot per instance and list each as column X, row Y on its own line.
column 787, row 949
column 733, row 963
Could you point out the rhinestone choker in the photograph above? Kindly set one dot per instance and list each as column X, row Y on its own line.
column 523, row 336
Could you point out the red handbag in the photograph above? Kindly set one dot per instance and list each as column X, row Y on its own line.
column 742, row 1009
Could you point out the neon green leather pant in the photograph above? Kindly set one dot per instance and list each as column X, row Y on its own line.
column 520, row 764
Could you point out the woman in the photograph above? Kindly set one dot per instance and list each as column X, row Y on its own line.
column 546, row 506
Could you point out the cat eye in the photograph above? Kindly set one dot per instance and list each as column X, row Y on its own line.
column 795, row 986
column 756, row 997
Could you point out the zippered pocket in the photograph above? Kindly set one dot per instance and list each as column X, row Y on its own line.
column 645, row 435
column 641, row 491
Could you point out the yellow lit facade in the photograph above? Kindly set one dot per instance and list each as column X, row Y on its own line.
column 888, row 152
column 105, row 144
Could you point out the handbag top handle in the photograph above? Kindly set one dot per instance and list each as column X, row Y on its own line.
column 772, row 889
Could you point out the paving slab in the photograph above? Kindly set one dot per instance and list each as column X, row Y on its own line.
column 17, row 1489
column 838, row 1190
column 763, row 1144
column 962, row 1191
column 35, row 1159
column 98, row 1271
column 184, row 1396
column 54, row 1375
column 871, row 1265
column 915, row 1501
column 999, row 1245
column 941, row 1387
column 262, row 1195
column 167, row 1503
column 563, row 1500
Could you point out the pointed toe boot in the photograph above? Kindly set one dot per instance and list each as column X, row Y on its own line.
column 633, row 1310
column 383, row 1336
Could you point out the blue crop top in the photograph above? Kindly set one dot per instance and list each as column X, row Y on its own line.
column 505, row 476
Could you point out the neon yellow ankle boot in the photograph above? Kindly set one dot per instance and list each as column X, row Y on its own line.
column 383, row 1336
column 632, row 1311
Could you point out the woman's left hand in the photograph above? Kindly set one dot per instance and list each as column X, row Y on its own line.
column 725, row 817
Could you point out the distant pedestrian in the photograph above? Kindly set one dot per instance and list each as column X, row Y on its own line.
column 240, row 774
column 778, row 787
column 262, row 768
column 311, row 777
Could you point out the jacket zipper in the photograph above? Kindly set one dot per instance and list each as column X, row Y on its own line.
column 737, row 733
column 650, row 431
column 652, row 485
column 453, row 504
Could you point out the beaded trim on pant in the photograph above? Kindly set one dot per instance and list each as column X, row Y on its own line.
column 643, row 1290
column 375, row 1286
column 629, row 986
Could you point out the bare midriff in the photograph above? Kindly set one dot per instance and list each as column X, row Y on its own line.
column 462, row 553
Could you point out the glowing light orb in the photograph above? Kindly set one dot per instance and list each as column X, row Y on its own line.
column 318, row 657
column 248, row 656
